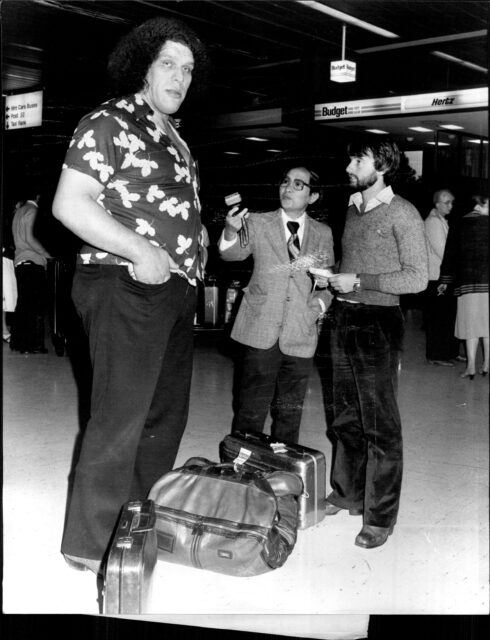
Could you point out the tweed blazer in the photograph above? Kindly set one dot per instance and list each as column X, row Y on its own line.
column 278, row 303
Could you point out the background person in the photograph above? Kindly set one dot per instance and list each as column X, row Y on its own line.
column 465, row 268
column 30, row 263
column 277, row 318
column 129, row 189
column 384, row 255
column 439, row 307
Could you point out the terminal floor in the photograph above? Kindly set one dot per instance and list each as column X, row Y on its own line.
column 436, row 561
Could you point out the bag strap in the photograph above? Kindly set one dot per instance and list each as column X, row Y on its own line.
column 238, row 472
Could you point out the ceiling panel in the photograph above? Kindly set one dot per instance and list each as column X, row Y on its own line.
column 265, row 54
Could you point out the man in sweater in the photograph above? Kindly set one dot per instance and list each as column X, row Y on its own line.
column 277, row 319
column 384, row 255
column 439, row 309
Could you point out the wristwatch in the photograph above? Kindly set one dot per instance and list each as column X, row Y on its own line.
column 357, row 284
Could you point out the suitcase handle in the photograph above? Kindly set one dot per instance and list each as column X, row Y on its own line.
column 143, row 516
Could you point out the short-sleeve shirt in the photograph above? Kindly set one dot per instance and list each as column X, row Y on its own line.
column 149, row 186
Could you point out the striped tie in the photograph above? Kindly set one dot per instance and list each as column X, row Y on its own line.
column 293, row 242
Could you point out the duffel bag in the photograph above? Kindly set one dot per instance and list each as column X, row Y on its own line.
column 211, row 516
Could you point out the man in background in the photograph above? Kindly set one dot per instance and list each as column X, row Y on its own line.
column 439, row 308
column 30, row 264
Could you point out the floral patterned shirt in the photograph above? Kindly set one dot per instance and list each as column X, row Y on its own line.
column 148, row 186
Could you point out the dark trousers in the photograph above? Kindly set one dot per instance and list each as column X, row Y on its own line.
column 439, row 320
column 366, row 433
column 141, row 348
column 28, row 321
column 272, row 381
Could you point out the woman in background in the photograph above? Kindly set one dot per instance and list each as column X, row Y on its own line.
column 465, row 266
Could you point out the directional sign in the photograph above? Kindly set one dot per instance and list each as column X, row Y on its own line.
column 24, row 110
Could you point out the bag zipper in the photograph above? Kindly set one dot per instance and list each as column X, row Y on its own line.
column 218, row 526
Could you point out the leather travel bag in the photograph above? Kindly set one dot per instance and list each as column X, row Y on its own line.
column 260, row 452
column 211, row 517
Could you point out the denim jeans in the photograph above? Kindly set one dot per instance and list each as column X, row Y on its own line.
column 141, row 348
column 367, row 458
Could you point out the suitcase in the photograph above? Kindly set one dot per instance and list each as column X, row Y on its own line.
column 261, row 452
column 211, row 311
column 131, row 560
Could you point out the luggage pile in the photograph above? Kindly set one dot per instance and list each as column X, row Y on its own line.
column 238, row 517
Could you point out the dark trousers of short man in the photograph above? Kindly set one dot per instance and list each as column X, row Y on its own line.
column 276, row 382
column 439, row 319
column 366, row 436
column 28, row 322
column 141, row 347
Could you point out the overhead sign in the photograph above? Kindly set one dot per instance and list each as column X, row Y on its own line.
column 342, row 71
column 441, row 101
column 24, row 110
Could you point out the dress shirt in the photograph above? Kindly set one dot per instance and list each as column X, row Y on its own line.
column 385, row 196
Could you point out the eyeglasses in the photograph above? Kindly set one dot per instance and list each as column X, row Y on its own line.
column 297, row 184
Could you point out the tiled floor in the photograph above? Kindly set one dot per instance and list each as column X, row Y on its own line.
column 436, row 562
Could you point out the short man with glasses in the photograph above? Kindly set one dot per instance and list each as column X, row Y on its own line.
column 439, row 309
column 277, row 319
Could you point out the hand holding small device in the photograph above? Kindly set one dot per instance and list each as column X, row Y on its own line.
column 236, row 217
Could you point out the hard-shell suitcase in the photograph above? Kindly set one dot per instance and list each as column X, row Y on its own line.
column 131, row 560
column 261, row 452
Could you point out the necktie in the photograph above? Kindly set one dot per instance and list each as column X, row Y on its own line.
column 293, row 242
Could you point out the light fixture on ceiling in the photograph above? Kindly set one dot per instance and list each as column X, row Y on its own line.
column 345, row 17
column 478, row 141
column 274, row 150
column 376, row 131
column 440, row 144
column 451, row 127
column 255, row 139
column 463, row 63
column 420, row 129
column 232, row 153
column 343, row 70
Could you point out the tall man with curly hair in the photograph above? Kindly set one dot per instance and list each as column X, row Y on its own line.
column 384, row 255
column 129, row 190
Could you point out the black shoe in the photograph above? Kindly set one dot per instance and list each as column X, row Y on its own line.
column 332, row 510
column 441, row 363
column 370, row 536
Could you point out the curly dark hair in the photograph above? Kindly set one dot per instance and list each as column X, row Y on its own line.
column 134, row 54
column 385, row 153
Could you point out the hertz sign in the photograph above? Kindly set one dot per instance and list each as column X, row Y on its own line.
column 24, row 110
column 402, row 105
